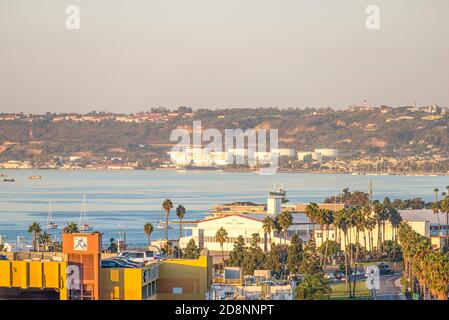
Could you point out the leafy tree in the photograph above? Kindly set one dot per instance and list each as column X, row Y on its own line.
column 313, row 287
column 329, row 249
column 237, row 255
column 310, row 262
column 294, row 255
column 273, row 259
column 191, row 251
column 254, row 256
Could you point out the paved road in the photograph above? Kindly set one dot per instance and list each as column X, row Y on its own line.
column 390, row 288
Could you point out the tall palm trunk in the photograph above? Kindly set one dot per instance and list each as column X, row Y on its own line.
column 379, row 235
column 34, row 241
column 349, row 245
column 166, row 229
column 327, row 245
column 447, row 227
column 180, row 236
column 364, row 239
column 222, row 257
column 346, row 264
column 269, row 239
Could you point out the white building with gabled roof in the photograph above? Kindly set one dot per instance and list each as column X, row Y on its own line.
column 244, row 225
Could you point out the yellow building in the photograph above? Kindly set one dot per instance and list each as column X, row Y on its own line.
column 26, row 275
column 167, row 280
column 129, row 283
column 185, row 279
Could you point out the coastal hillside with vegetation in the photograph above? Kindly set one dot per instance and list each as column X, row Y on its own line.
column 357, row 132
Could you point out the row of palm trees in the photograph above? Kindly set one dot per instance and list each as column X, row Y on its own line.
column 279, row 223
column 426, row 270
column 39, row 236
column 361, row 219
column 442, row 206
column 167, row 205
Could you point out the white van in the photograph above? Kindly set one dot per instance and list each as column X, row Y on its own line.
column 142, row 256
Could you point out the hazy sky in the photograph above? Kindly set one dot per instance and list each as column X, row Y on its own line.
column 136, row 54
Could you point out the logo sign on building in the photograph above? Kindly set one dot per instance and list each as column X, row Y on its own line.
column 79, row 243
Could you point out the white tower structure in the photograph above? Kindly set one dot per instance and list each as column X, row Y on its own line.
column 274, row 201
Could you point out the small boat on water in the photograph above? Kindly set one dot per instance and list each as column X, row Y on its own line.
column 50, row 224
column 83, row 226
column 35, row 177
column 161, row 225
column 8, row 180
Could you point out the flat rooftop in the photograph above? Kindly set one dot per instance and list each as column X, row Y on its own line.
column 422, row 215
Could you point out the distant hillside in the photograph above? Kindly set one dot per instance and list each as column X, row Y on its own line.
column 356, row 132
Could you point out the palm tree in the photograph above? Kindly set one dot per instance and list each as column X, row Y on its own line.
column 380, row 214
column 328, row 220
column 285, row 221
column 44, row 238
column 359, row 227
column 71, row 227
column 341, row 219
column 395, row 220
column 311, row 212
column 445, row 209
column 167, row 205
column 180, row 213
column 148, row 229
column 35, row 229
column 268, row 226
column 436, row 209
column 221, row 236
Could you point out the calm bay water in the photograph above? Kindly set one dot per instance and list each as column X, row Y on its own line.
column 131, row 198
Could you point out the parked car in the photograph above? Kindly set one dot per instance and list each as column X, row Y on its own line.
column 111, row 263
column 384, row 268
column 141, row 256
column 129, row 261
column 329, row 276
column 2, row 257
column 339, row 275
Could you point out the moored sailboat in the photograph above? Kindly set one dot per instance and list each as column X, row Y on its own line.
column 50, row 224
column 83, row 226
